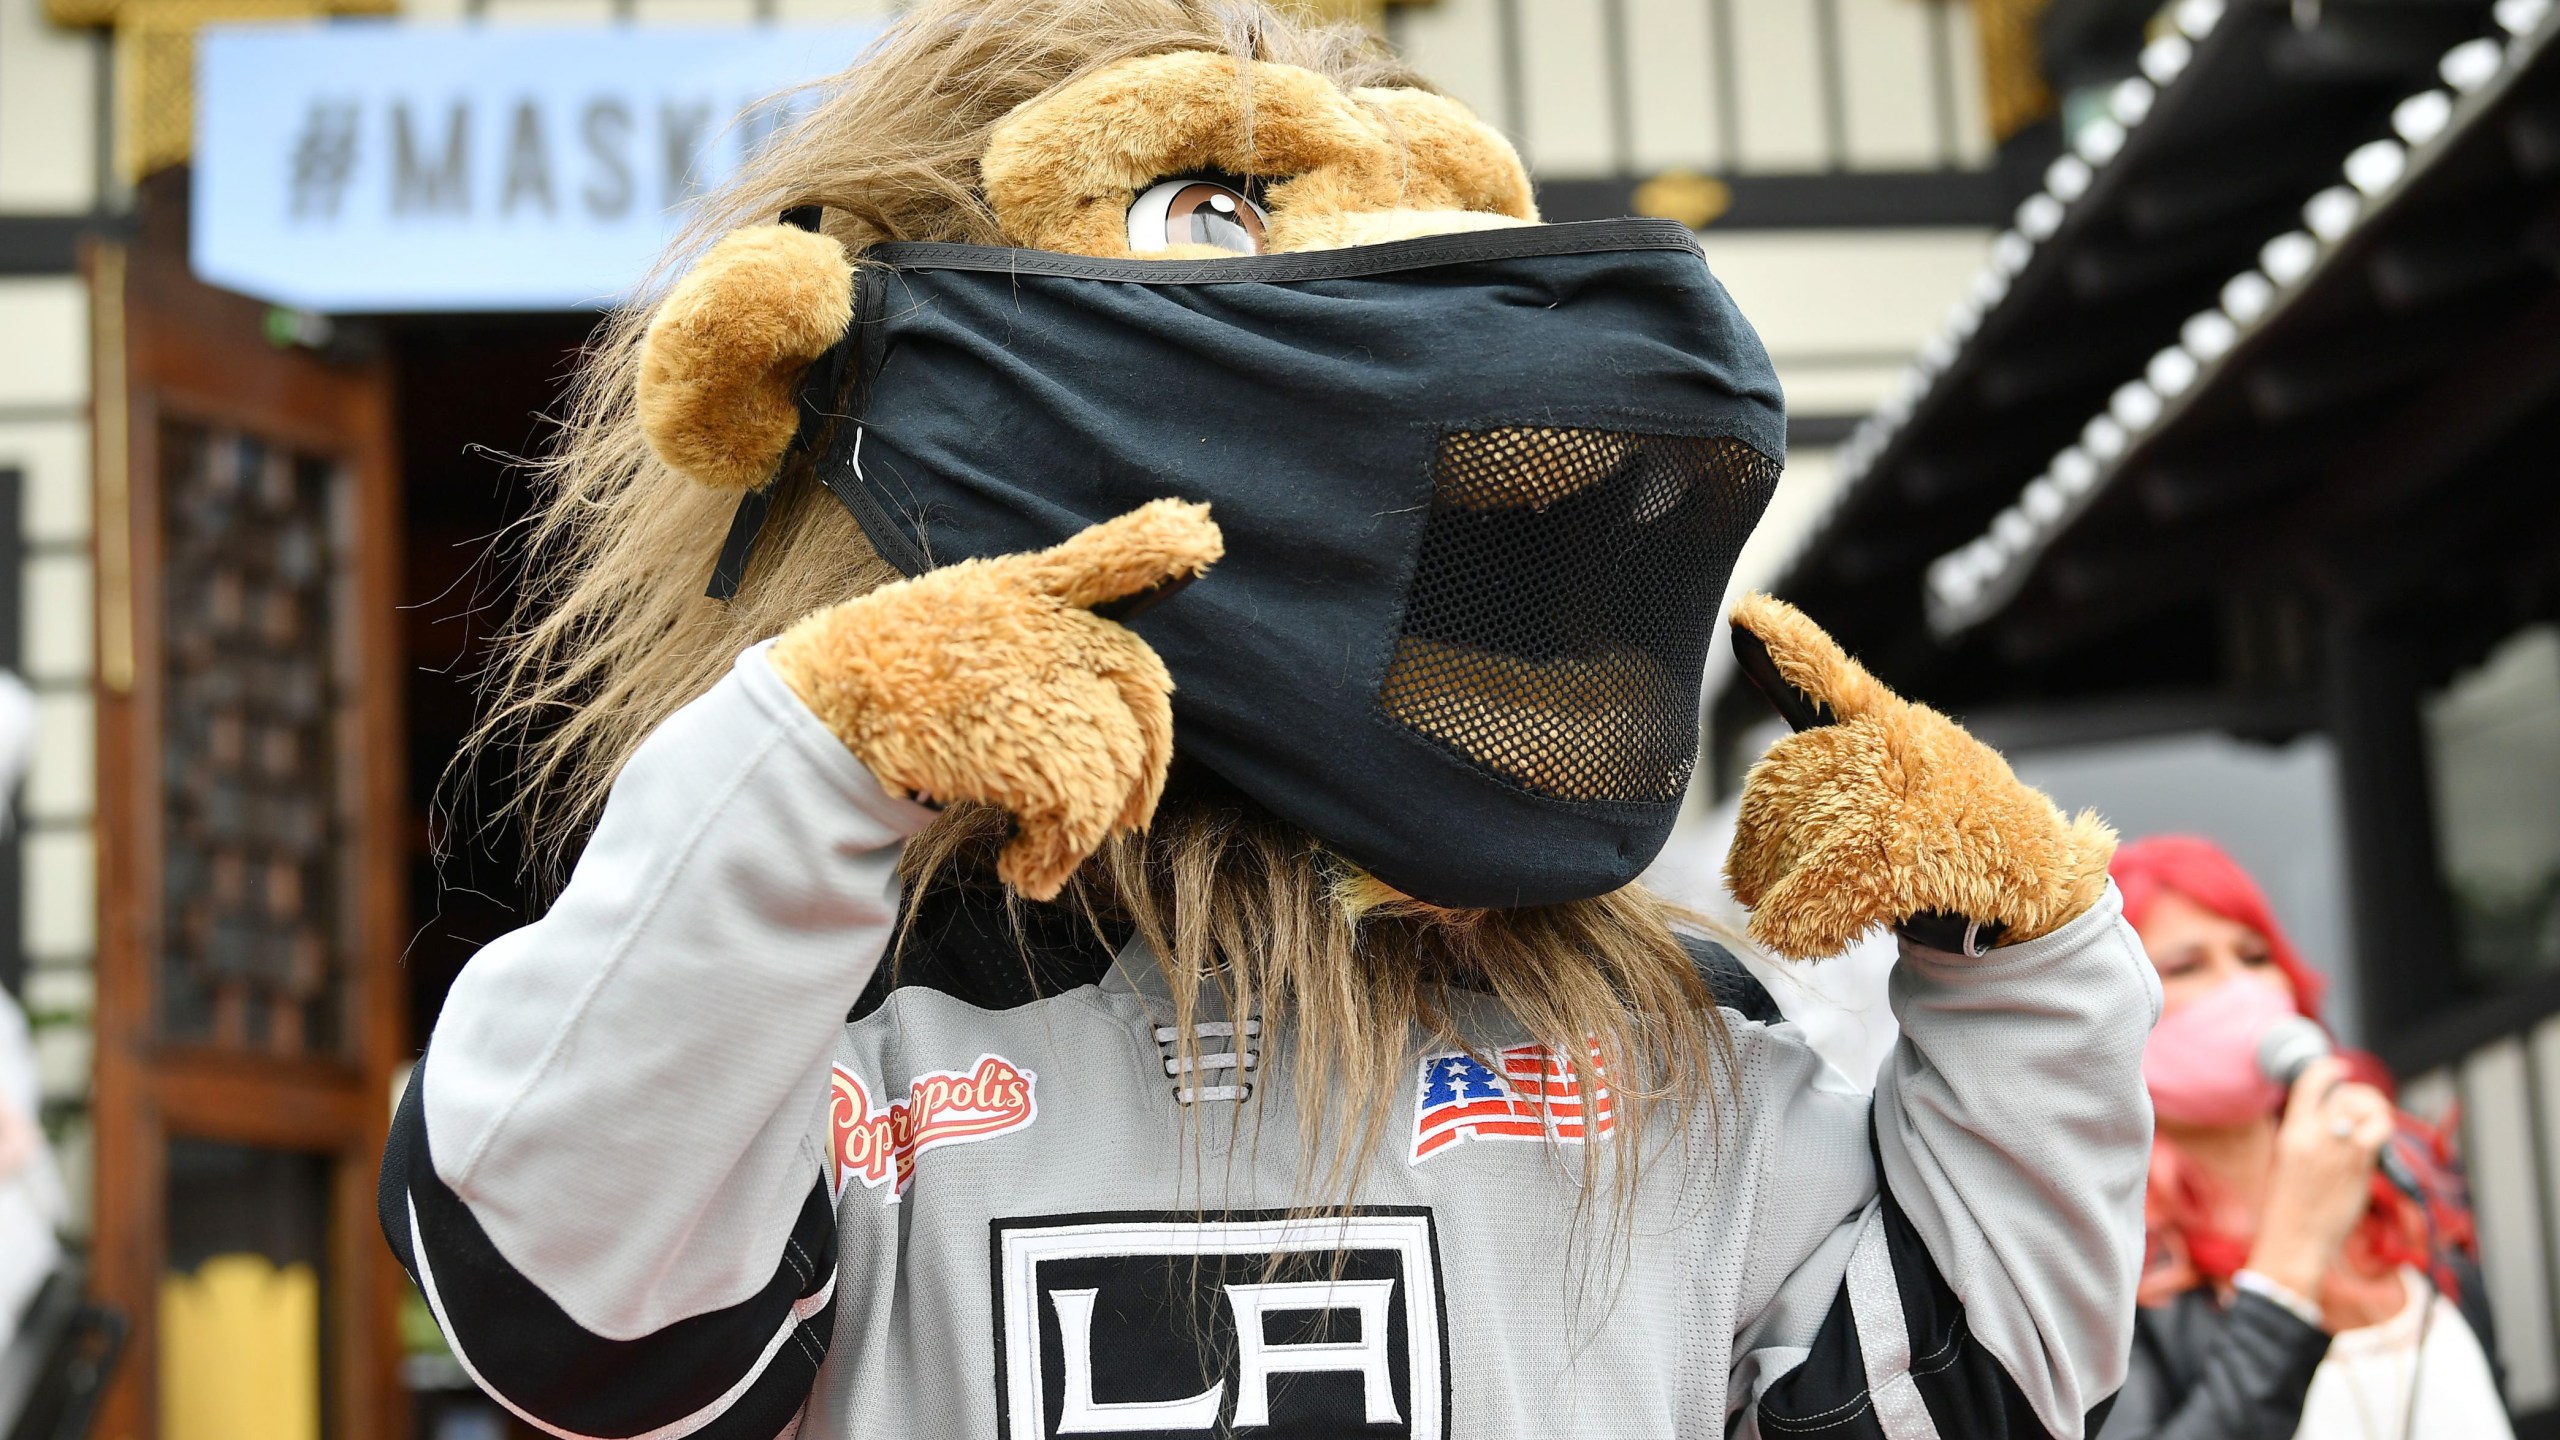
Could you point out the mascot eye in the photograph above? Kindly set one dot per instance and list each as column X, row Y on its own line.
column 1197, row 210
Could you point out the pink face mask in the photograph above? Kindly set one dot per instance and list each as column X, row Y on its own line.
column 2202, row 1059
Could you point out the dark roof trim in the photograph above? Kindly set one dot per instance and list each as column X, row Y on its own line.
column 45, row 244
column 1816, row 432
column 1979, row 579
column 2239, row 113
column 1829, row 200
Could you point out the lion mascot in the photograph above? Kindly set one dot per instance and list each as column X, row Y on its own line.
column 1110, row 650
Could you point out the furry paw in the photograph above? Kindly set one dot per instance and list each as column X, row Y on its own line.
column 1890, row 810
column 991, row 680
column 724, row 353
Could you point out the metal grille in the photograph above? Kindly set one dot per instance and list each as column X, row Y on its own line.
column 1557, row 627
column 256, row 881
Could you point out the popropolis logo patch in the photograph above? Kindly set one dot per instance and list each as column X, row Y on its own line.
column 945, row 1107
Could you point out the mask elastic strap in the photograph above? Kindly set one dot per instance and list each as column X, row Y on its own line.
column 747, row 521
column 745, row 524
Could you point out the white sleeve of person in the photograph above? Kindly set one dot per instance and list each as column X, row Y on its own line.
column 615, row 1243
column 1986, row 1288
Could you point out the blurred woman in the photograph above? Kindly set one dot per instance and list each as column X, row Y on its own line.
column 2292, row 1287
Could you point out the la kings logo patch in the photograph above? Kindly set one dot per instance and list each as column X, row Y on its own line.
column 1252, row 1324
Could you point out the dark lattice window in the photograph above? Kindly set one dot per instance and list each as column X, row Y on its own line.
column 257, row 886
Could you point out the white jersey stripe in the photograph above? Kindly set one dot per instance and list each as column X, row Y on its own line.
column 1884, row 1336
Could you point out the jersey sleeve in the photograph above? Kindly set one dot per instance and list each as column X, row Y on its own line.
column 1983, row 1285
column 609, row 1173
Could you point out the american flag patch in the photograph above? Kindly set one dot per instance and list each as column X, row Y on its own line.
column 1526, row 1094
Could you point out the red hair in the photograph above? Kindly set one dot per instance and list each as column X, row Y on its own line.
column 2203, row 872
column 2186, row 1249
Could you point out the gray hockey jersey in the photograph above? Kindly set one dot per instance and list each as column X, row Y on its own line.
column 654, row 1183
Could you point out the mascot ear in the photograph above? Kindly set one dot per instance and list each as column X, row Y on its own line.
column 723, row 355
column 1450, row 159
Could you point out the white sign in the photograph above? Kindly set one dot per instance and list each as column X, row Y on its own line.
column 376, row 166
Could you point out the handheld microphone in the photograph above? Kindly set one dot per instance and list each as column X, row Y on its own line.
column 2287, row 1049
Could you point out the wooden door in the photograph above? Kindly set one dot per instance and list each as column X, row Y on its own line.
column 250, row 839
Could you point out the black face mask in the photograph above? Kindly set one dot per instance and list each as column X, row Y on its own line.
column 1481, row 494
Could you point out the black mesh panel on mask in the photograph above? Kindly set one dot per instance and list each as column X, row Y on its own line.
column 1561, row 607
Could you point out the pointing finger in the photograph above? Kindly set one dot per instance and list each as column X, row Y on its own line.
column 1159, row 543
column 1833, row 686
